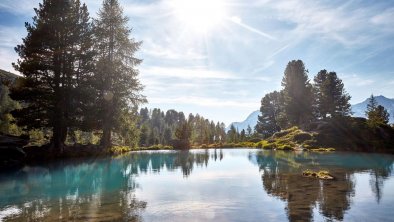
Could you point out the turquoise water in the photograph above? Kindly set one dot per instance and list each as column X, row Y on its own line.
column 203, row 185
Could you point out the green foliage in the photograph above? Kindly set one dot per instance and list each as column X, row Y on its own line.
column 271, row 112
column 232, row 135
column 6, row 106
column 297, row 94
column 377, row 114
column 116, row 78
column 54, row 68
column 158, row 127
column 183, row 132
column 39, row 137
column 331, row 98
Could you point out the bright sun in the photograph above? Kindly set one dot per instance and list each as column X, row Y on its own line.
column 199, row 15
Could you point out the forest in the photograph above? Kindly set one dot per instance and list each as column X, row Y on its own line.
column 80, row 86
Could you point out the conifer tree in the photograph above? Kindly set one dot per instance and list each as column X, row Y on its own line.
column 331, row 98
column 271, row 110
column 377, row 114
column 116, row 76
column 55, row 58
column 297, row 94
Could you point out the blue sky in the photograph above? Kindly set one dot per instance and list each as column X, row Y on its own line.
column 219, row 57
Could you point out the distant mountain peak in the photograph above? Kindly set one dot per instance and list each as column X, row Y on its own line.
column 358, row 111
column 360, row 108
column 251, row 121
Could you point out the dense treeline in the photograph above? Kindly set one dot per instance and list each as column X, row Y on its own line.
column 301, row 103
column 159, row 127
column 78, row 73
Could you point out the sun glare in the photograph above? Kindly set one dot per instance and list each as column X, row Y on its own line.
column 200, row 15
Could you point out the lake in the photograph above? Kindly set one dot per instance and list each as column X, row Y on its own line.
column 203, row 185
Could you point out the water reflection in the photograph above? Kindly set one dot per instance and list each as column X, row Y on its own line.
column 281, row 178
column 105, row 189
column 72, row 191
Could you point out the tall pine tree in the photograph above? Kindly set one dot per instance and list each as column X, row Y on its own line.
column 54, row 57
column 297, row 94
column 116, row 76
column 331, row 98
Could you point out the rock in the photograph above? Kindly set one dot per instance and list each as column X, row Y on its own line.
column 324, row 175
column 11, row 152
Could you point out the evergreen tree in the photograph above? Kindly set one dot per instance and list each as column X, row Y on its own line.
column 297, row 94
column 242, row 136
column 249, row 131
column 55, row 57
column 116, row 77
column 371, row 106
column 271, row 108
column 377, row 114
column 330, row 96
column 232, row 135
column 183, row 132
column 6, row 106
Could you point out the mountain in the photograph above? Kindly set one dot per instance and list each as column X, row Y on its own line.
column 358, row 111
column 7, row 76
column 251, row 120
column 360, row 108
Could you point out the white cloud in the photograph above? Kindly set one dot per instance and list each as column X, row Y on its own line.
column 384, row 18
column 186, row 73
column 159, row 51
column 347, row 26
column 19, row 7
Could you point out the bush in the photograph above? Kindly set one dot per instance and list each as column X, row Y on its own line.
column 120, row 149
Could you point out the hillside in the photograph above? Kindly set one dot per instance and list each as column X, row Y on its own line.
column 7, row 76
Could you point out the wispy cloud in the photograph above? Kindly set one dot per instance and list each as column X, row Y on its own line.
column 186, row 73
column 238, row 21
column 159, row 51
column 19, row 7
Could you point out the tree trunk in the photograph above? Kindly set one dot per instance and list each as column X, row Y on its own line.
column 107, row 125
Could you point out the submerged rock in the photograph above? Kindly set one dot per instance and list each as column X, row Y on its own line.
column 323, row 174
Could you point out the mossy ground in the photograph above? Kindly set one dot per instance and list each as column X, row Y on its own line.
column 125, row 149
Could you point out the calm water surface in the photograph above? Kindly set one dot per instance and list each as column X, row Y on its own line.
column 203, row 185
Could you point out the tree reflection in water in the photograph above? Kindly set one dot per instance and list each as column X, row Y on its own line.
column 281, row 177
column 104, row 189
column 100, row 189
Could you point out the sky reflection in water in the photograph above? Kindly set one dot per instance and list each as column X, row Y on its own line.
column 202, row 185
